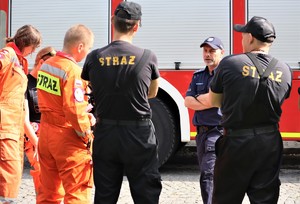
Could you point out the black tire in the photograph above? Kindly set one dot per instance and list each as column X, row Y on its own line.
column 165, row 130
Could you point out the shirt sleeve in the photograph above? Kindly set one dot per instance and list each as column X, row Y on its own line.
column 86, row 66
column 154, row 66
column 192, row 87
column 216, row 84
column 75, row 102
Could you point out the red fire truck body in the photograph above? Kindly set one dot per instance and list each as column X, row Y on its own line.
column 173, row 30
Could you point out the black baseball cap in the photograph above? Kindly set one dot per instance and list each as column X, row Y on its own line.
column 213, row 42
column 259, row 27
column 129, row 10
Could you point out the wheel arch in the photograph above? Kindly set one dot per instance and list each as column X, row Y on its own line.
column 175, row 101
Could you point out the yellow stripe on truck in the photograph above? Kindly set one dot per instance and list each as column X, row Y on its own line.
column 285, row 135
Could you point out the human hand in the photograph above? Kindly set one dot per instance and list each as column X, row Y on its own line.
column 89, row 108
column 92, row 119
column 36, row 155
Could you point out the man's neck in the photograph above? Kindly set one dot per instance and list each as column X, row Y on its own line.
column 262, row 50
column 122, row 37
column 211, row 68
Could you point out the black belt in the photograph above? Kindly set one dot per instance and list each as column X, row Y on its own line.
column 144, row 122
column 251, row 131
column 204, row 128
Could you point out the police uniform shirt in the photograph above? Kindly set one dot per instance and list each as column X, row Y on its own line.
column 237, row 79
column 117, row 95
column 200, row 85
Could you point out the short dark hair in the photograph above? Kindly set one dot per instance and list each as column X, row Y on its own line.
column 124, row 25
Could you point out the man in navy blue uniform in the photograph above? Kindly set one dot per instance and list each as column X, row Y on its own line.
column 206, row 117
column 250, row 89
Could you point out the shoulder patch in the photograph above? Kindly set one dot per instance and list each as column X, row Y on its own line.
column 3, row 53
column 79, row 94
column 78, row 82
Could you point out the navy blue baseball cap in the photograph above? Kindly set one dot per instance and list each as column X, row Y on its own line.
column 129, row 10
column 259, row 27
column 213, row 42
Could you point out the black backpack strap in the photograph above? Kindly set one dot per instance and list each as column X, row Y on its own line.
column 262, row 92
column 141, row 63
column 262, row 74
column 138, row 68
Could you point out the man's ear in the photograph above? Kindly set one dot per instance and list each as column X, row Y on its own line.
column 135, row 27
column 80, row 47
column 251, row 39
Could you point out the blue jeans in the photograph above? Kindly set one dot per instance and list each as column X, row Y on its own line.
column 205, row 141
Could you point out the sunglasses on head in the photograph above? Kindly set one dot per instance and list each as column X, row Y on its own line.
column 49, row 54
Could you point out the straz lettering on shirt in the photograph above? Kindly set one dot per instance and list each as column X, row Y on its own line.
column 48, row 83
column 252, row 72
column 117, row 60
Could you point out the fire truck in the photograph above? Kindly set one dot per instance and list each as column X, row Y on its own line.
column 174, row 30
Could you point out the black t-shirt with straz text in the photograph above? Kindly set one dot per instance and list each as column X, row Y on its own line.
column 238, row 80
column 118, row 95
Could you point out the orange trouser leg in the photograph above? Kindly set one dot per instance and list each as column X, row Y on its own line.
column 35, row 171
column 11, row 166
column 64, row 161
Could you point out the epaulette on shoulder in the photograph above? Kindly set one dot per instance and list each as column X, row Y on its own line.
column 199, row 71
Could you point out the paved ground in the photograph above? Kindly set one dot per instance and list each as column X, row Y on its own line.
column 181, row 184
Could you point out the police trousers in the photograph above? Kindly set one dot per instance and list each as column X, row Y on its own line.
column 248, row 161
column 205, row 140
column 129, row 149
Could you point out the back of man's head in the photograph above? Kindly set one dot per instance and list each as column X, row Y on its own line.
column 126, row 16
column 259, row 27
column 76, row 34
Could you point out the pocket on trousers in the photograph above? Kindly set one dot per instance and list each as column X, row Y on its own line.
column 9, row 149
column 210, row 142
column 217, row 145
column 209, row 146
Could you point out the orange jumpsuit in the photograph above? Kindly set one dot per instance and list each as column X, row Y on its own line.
column 13, row 84
column 30, row 152
column 65, row 159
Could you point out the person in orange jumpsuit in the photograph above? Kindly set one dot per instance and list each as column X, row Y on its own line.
column 13, row 84
column 65, row 127
column 33, row 115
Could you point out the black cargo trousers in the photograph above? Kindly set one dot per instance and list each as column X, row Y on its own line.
column 126, row 148
column 248, row 161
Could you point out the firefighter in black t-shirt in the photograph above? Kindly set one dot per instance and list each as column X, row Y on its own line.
column 125, row 141
column 249, row 154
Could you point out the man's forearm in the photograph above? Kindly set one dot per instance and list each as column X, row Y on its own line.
column 194, row 103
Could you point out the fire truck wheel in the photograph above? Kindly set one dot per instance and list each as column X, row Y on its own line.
column 165, row 130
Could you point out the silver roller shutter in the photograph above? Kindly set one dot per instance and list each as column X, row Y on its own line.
column 285, row 17
column 174, row 30
column 53, row 18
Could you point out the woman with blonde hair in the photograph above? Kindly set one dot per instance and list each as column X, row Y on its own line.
column 33, row 115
